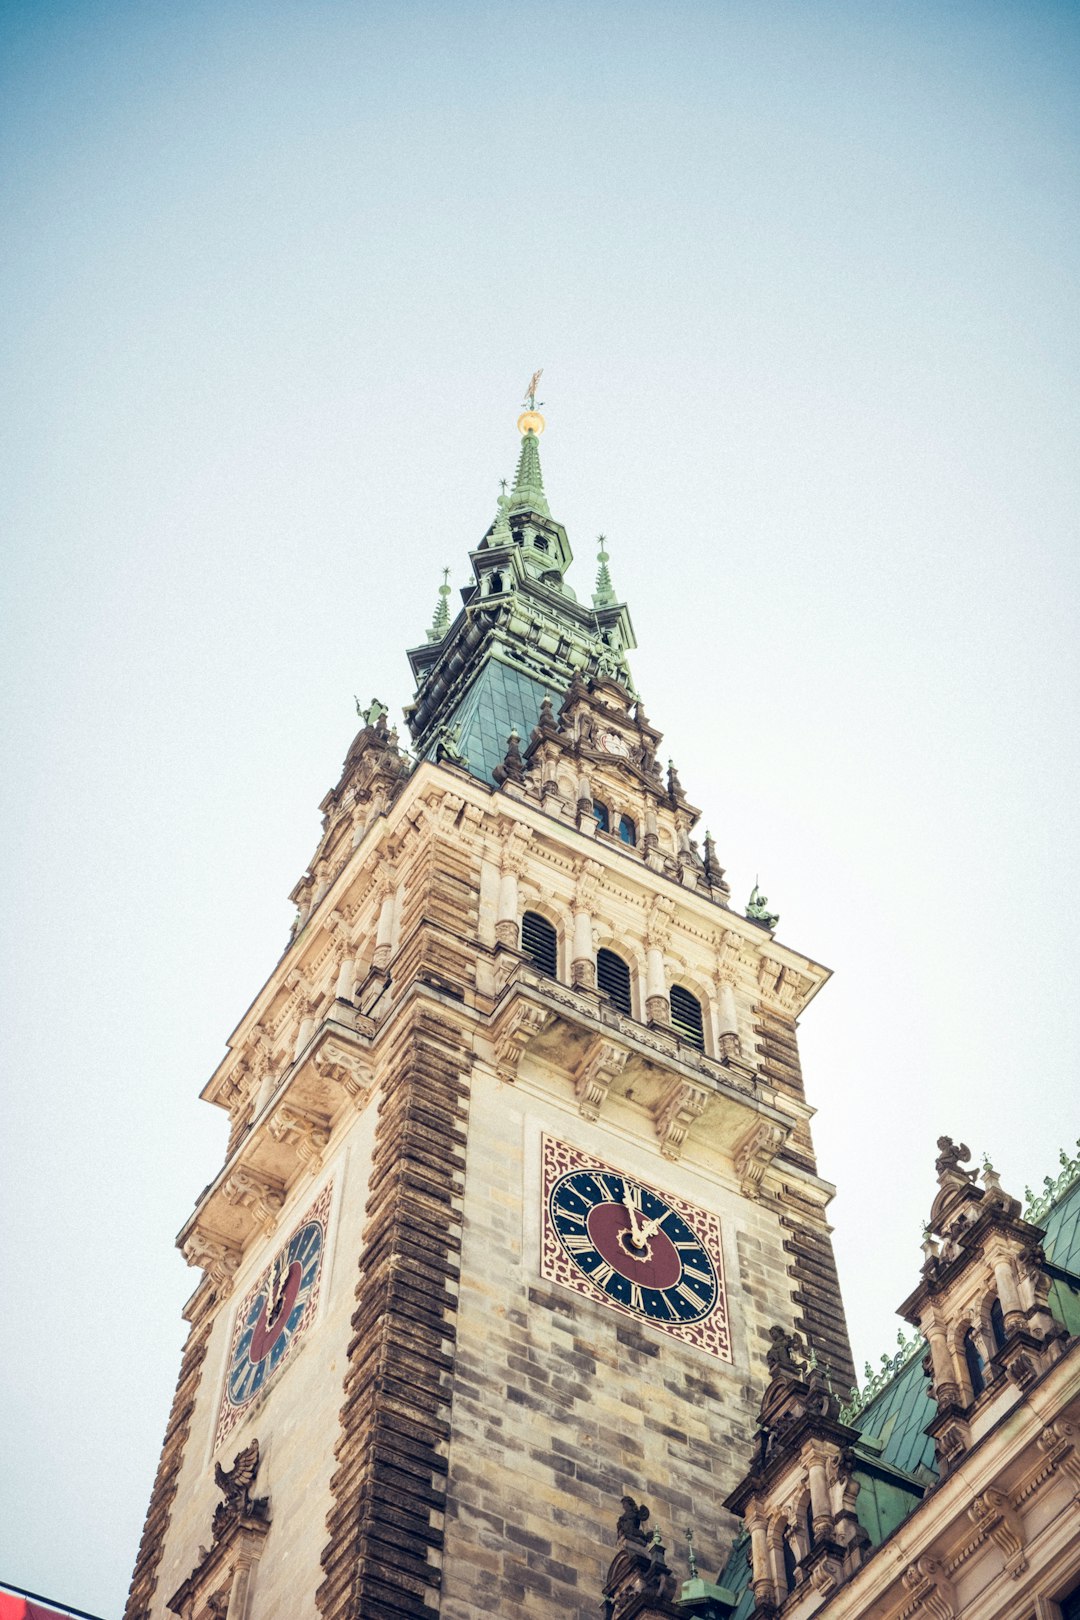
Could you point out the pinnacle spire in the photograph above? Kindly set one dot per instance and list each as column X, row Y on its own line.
column 604, row 594
column 440, row 624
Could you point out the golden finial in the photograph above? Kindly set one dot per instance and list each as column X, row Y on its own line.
column 530, row 420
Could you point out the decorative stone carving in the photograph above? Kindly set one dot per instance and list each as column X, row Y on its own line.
column 755, row 1153
column 603, row 1063
column 347, row 1069
column 218, row 1586
column 216, row 1255
column 306, row 1132
column 681, row 1104
column 639, row 1581
column 516, row 1029
column 1058, row 1443
column 929, row 1589
column 995, row 1516
column 247, row 1189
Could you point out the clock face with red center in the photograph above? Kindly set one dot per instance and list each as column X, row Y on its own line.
column 274, row 1315
column 623, row 1242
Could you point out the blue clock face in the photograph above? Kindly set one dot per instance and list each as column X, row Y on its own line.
column 632, row 1245
column 274, row 1315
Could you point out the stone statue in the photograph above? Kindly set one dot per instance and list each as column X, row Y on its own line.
column 947, row 1163
column 784, row 1353
column 632, row 1520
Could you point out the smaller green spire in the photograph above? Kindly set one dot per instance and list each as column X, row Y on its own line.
column 502, row 534
column 440, row 624
column 604, row 595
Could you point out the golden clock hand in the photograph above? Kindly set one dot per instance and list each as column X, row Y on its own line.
column 637, row 1233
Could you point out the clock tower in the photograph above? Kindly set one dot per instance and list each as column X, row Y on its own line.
column 519, row 1171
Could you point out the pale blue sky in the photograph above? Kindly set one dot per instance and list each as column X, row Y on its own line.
column 803, row 282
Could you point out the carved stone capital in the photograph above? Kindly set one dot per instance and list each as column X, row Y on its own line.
column 215, row 1255
column 755, row 1153
column 306, row 1132
column 603, row 1063
column 345, row 1068
column 681, row 1104
column 247, row 1189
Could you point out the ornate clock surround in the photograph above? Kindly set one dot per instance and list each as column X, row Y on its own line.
column 250, row 1323
column 709, row 1328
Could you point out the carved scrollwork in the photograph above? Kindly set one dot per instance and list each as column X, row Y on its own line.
column 755, row 1153
column 215, row 1255
column 346, row 1068
column 247, row 1189
column 681, row 1104
column 603, row 1063
column 306, row 1132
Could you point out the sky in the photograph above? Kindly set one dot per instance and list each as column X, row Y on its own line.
column 802, row 279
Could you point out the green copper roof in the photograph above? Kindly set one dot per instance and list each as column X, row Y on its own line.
column 501, row 700
column 1062, row 1224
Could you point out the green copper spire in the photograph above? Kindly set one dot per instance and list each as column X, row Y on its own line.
column 440, row 624
column 604, row 594
column 528, row 491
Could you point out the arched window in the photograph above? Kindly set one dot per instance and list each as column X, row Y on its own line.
column 686, row 1018
column 540, row 942
column 540, row 542
column 496, row 582
column 997, row 1325
column 602, row 814
column 975, row 1364
column 613, row 978
column 627, row 831
column 789, row 1562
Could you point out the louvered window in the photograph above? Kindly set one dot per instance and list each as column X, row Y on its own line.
column 686, row 1017
column 540, row 942
column 603, row 818
column 613, row 978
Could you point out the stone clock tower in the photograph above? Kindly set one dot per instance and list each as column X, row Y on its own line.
column 519, row 1172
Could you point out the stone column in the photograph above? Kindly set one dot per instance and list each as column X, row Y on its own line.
column 384, row 932
column 820, row 1506
column 506, row 920
column 582, row 961
column 657, row 1005
column 946, row 1386
column 727, row 1020
column 305, row 1032
column 346, row 978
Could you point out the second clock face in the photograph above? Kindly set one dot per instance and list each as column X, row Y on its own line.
column 612, row 1236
